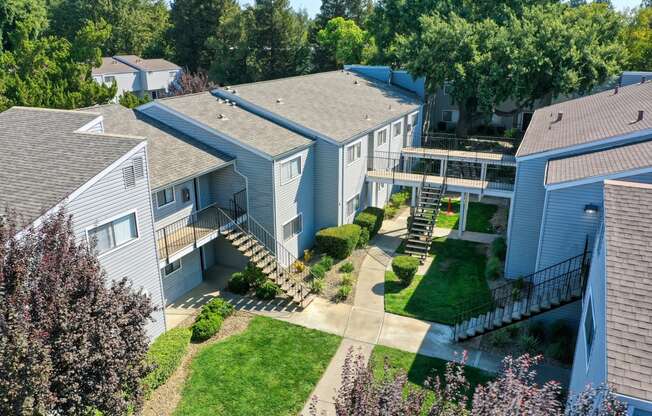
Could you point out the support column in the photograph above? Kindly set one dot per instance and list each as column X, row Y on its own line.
column 374, row 194
column 443, row 165
column 464, row 210
column 413, row 202
column 483, row 177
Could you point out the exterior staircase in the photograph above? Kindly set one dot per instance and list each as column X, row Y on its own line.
column 520, row 299
column 423, row 222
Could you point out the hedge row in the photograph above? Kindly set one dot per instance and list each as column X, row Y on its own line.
column 165, row 355
column 210, row 319
column 370, row 218
column 338, row 242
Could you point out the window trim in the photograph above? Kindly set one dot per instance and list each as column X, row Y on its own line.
column 300, row 215
column 412, row 120
column 104, row 79
column 174, row 196
column 590, row 310
column 452, row 115
column 346, row 151
column 377, row 135
column 399, row 122
column 173, row 272
column 289, row 160
column 111, row 219
column 355, row 210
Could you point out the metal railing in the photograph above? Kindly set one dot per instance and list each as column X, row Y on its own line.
column 477, row 144
column 559, row 283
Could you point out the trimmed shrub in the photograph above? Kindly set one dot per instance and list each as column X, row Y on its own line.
column 561, row 351
column 206, row 326
column 347, row 280
column 318, row 271
column 344, row 291
column 493, row 268
column 499, row 248
column 560, row 330
column 165, row 355
column 364, row 238
column 529, row 344
column 400, row 198
column 238, row 284
column 254, row 275
column 370, row 218
column 326, row 262
column 317, row 285
column 268, row 290
column 405, row 267
column 218, row 306
column 338, row 242
column 346, row 267
column 390, row 212
column 537, row 330
column 499, row 338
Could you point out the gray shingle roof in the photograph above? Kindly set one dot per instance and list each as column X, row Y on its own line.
column 155, row 64
column 239, row 124
column 628, row 244
column 331, row 103
column 112, row 66
column 172, row 156
column 589, row 119
column 604, row 162
column 43, row 160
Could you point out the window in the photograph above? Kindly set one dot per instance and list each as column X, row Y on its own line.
column 292, row 228
column 165, row 197
column 589, row 328
column 352, row 205
column 449, row 116
column 397, row 128
column 115, row 233
column 412, row 122
column 381, row 137
column 290, row 169
column 353, row 152
column 109, row 79
column 172, row 267
column 448, row 88
column 172, row 74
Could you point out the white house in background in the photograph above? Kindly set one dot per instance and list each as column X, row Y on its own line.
column 141, row 76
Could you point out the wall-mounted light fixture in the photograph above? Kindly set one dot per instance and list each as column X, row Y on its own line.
column 591, row 209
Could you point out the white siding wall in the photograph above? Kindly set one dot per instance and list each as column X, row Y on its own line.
column 184, row 279
column 178, row 209
column 157, row 80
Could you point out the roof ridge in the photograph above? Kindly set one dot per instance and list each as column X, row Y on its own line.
column 60, row 110
column 630, row 184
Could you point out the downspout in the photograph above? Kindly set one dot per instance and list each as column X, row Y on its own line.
column 202, row 261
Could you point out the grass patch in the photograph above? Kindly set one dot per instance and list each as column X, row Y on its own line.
column 456, row 275
column 419, row 367
column 478, row 219
column 269, row 369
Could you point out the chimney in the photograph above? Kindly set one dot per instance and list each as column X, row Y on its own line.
column 560, row 115
column 616, row 90
column 641, row 113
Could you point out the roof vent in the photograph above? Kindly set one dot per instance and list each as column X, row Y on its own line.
column 641, row 113
column 643, row 79
column 356, row 82
column 221, row 116
column 279, row 101
column 560, row 116
column 616, row 90
column 390, row 107
column 234, row 91
column 366, row 116
column 233, row 104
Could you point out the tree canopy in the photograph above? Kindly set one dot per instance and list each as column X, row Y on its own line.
column 345, row 43
column 638, row 38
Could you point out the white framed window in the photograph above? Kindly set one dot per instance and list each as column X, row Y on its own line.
column 165, row 197
column 114, row 233
column 589, row 328
column 352, row 205
column 381, row 137
column 290, row 169
column 353, row 152
column 172, row 74
column 293, row 227
column 412, row 121
column 449, row 116
column 109, row 79
column 397, row 128
column 171, row 268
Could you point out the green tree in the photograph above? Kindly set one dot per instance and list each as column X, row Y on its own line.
column 195, row 21
column 52, row 72
column 233, row 59
column 356, row 10
column 536, row 53
column 138, row 26
column 131, row 100
column 638, row 38
column 20, row 19
column 345, row 42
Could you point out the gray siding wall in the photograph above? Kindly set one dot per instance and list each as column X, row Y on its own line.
column 353, row 177
column 296, row 197
column 566, row 225
column 392, row 145
column 176, row 210
column 327, row 166
column 525, row 218
column 219, row 186
column 108, row 199
column 184, row 279
column 593, row 372
column 257, row 169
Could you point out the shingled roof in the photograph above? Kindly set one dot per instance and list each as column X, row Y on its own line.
column 44, row 160
column 589, row 119
column 628, row 244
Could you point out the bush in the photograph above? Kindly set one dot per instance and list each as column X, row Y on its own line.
column 493, row 268
column 560, row 330
column 405, row 267
column 317, row 285
column 307, row 255
column 400, row 198
column 165, row 355
column 390, row 212
column 298, row 266
column 499, row 338
column 318, row 271
column 218, row 306
column 561, row 351
column 238, row 283
column 344, row 291
column 499, row 248
column 326, row 262
column 529, row 344
column 346, row 267
column 267, row 290
column 338, row 242
column 206, row 326
column 254, row 275
column 371, row 219
column 537, row 330
column 364, row 238
column 347, row 280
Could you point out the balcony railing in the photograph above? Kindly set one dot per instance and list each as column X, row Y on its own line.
column 476, row 144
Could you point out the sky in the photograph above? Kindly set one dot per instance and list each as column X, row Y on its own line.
column 312, row 6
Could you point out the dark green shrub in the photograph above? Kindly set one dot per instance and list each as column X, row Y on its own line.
column 326, row 262
column 390, row 212
column 371, row 219
column 254, row 275
column 400, row 198
column 347, row 279
column 499, row 338
column 364, row 238
column 318, row 271
column 344, row 291
column 493, row 268
column 561, row 351
column 338, row 242
column 405, row 267
column 218, row 306
column 238, row 283
column 560, row 330
column 268, row 290
column 537, row 330
column 317, row 285
column 346, row 267
column 529, row 344
column 165, row 355
column 206, row 326
column 499, row 248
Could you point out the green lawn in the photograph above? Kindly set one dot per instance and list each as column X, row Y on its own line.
column 420, row 368
column 478, row 219
column 269, row 369
column 456, row 275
